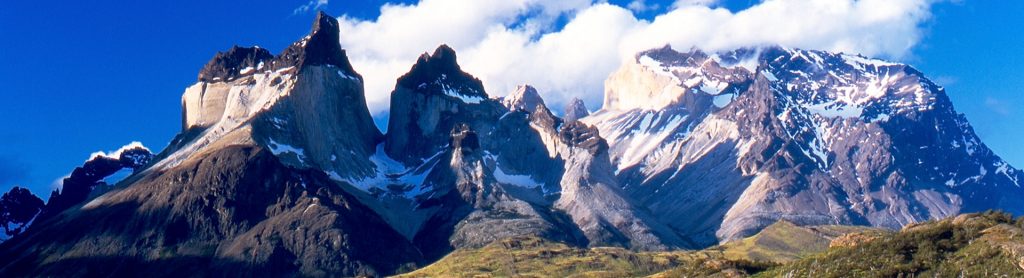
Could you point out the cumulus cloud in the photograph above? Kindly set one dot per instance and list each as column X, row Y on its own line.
column 311, row 6
column 510, row 42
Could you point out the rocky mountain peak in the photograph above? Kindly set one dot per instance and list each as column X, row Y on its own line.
column 236, row 62
column 320, row 47
column 439, row 73
column 576, row 110
column 524, row 98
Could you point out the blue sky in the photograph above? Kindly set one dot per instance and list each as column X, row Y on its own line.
column 83, row 77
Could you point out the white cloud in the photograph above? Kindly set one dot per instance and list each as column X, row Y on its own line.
column 312, row 5
column 117, row 153
column 510, row 42
column 642, row 6
column 685, row 3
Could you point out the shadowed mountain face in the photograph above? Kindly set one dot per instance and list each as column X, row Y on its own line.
column 280, row 171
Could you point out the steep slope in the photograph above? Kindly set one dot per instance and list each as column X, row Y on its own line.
column 595, row 201
column 245, row 189
column 722, row 145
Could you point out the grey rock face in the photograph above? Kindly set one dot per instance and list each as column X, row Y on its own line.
column 595, row 201
column 429, row 101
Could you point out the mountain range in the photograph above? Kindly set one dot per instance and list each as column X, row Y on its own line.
column 279, row 169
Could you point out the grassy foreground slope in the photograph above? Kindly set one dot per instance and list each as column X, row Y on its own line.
column 785, row 242
column 988, row 244
column 535, row 257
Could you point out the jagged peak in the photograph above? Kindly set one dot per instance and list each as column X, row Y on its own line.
column 233, row 63
column 321, row 47
column 576, row 110
column 524, row 98
column 440, row 73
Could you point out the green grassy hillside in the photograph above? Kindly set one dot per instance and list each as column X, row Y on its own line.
column 987, row 244
column 972, row 245
column 784, row 242
column 534, row 257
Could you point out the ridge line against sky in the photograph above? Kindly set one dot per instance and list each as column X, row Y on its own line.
column 79, row 80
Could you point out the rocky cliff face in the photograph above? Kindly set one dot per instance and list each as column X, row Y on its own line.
column 429, row 101
column 739, row 140
column 594, row 199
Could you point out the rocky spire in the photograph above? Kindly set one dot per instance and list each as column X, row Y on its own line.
column 576, row 110
column 524, row 98
column 320, row 47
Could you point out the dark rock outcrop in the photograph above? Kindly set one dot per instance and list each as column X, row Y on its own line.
column 320, row 48
column 18, row 208
column 234, row 63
